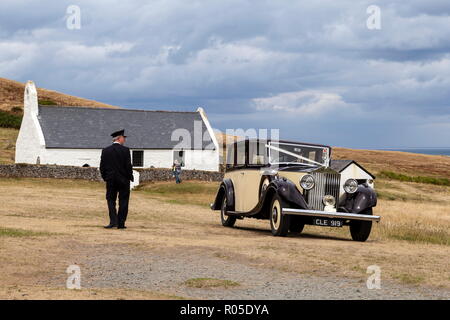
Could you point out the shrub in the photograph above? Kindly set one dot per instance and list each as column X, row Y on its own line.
column 9, row 120
column 16, row 109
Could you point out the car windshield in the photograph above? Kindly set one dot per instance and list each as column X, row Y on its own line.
column 298, row 154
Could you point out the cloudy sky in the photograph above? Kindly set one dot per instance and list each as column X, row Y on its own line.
column 313, row 69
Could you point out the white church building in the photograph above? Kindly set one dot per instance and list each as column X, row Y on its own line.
column 75, row 136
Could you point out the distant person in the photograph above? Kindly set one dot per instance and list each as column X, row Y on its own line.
column 176, row 169
column 117, row 171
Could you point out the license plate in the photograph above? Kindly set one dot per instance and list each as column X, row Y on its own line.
column 325, row 222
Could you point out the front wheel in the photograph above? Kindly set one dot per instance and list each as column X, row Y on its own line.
column 227, row 221
column 296, row 224
column 360, row 230
column 279, row 222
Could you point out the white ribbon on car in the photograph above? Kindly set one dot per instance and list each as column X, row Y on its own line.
column 293, row 154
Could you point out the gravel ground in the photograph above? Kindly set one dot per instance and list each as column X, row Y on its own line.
column 134, row 268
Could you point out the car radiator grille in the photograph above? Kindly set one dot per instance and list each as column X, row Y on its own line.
column 326, row 184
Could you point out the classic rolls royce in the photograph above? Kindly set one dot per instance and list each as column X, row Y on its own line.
column 294, row 184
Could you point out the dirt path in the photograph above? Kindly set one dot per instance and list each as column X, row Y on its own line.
column 124, row 271
column 131, row 270
column 166, row 271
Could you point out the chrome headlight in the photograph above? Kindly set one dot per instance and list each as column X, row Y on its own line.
column 350, row 186
column 329, row 200
column 307, row 182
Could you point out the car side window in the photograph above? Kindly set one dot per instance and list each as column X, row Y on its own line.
column 240, row 150
column 230, row 155
column 256, row 153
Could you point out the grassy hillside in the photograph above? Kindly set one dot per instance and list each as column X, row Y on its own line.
column 11, row 111
column 411, row 164
column 11, row 97
column 43, row 219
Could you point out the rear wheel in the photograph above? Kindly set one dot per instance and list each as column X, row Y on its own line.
column 227, row 221
column 360, row 230
column 296, row 224
column 279, row 222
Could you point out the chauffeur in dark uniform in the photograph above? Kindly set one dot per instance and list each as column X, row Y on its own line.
column 117, row 171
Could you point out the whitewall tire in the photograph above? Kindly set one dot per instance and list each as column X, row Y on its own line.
column 227, row 221
column 279, row 222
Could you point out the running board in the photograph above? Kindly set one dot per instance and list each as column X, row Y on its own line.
column 335, row 215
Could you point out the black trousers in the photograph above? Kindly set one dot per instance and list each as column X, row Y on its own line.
column 115, row 187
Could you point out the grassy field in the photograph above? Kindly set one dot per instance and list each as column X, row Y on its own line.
column 192, row 192
column 45, row 227
column 8, row 139
column 209, row 283
column 18, row 233
column 411, row 211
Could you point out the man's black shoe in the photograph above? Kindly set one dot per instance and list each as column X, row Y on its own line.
column 110, row 226
column 121, row 227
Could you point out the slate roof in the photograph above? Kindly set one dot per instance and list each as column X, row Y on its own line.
column 339, row 165
column 90, row 128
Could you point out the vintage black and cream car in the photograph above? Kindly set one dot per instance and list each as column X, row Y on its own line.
column 293, row 184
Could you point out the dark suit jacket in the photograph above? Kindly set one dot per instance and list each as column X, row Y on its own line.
column 115, row 163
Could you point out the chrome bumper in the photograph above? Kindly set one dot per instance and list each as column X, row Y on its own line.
column 334, row 215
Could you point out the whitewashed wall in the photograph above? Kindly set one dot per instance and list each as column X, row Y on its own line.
column 157, row 158
column 194, row 159
column 202, row 160
column 28, row 147
column 72, row 157
column 30, row 143
column 355, row 172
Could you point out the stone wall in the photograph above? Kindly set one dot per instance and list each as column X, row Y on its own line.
column 91, row 173
column 48, row 171
column 166, row 174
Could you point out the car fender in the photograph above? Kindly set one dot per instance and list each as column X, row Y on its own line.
column 364, row 198
column 288, row 192
column 226, row 189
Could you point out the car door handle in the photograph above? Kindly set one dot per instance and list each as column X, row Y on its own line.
column 242, row 173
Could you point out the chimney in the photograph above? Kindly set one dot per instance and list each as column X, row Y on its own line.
column 30, row 99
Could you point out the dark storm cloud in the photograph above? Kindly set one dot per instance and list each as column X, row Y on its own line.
column 292, row 65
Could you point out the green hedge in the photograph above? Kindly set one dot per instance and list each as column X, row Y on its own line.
column 419, row 179
column 9, row 120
